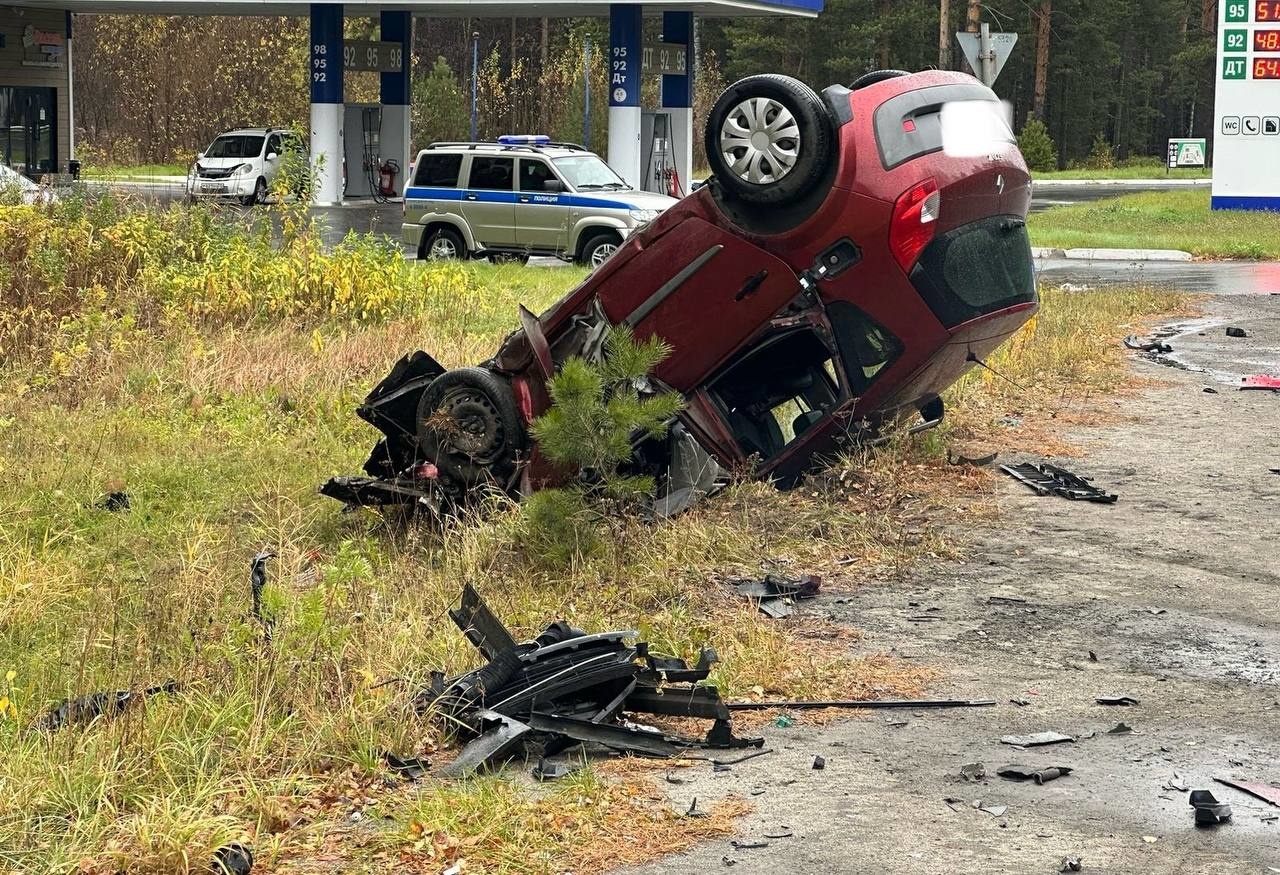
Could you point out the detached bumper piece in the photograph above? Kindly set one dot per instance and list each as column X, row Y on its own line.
column 568, row 687
column 1046, row 479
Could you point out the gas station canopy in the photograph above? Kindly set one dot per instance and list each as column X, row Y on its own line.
column 450, row 8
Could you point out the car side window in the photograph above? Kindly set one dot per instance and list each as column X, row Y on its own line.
column 777, row 391
column 491, row 174
column 440, row 171
column 866, row 347
column 275, row 144
column 533, row 174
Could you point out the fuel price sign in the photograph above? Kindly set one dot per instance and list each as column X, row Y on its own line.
column 1247, row 113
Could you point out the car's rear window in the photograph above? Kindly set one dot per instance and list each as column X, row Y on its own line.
column 977, row 269
column 438, row 170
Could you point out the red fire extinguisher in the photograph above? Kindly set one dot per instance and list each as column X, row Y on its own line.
column 387, row 174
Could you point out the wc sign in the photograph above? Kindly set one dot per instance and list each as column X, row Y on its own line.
column 1186, row 153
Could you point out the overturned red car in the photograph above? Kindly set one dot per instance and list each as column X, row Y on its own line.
column 852, row 256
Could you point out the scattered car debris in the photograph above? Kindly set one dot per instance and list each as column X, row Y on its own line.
column 232, row 859
column 257, row 581
column 743, row 758
column 409, row 768
column 1020, row 702
column 783, row 832
column 114, row 502
column 1266, row 792
column 1151, row 840
column 1047, row 479
column 1260, row 381
column 819, row 763
column 1071, row 864
column 1208, row 810
column 1153, row 346
column 548, row 771
column 1120, row 729
column 1038, row 739
column 1117, row 700
column 870, row 704
column 973, row 462
column 87, row 708
column 694, row 810
column 1175, row 784
column 1233, row 331
column 566, row 687
column 973, row 771
column 1209, row 390
column 782, row 721
column 1040, row 775
column 775, row 595
column 993, row 810
column 748, row 844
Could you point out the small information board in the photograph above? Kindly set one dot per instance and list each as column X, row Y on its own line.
column 1246, row 133
column 1186, row 153
column 363, row 56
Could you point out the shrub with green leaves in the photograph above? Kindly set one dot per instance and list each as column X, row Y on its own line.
column 598, row 412
column 1037, row 146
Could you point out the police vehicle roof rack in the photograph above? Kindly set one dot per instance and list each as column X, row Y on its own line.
column 506, row 147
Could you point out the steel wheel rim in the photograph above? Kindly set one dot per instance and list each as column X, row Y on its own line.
column 260, row 192
column 602, row 252
column 442, row 247
column 760, row 140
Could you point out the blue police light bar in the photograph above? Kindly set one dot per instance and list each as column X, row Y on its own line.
column 524, row 140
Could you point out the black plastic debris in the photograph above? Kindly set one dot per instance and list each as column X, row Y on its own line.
column 775, row 596
column 1039, row 774
column 1208, row 810
column 549, row 771
column 782, row 832
column 1233, row 331
column 1047, row 479
column 748, row 844
column 1120, row 729
column 87, row 708
column 819, row 763
column 113, row 502
column 257, row 581
column 971, row 461
column 1209, row 390
column 694, row 810
column 869, row 704
column 1117, row 700
column 1038, row 739
column 568, row 687
column 1071, row 864
column 1154, row 346
column 409, row 768
column 232, row 859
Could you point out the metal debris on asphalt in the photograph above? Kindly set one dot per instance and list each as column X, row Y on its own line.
column 1117, row 700
column 973, row 771
column 1266, row 792
column 1039, row 774
column 748, row 844
column 1208, row 810
column 782, row 832
column 694, row 811
column 819, row 763
column 1038, row 739
column 1153, row 346
column 1070, row 864
column 1047, row 479
column 1120, row 729
column 993, row 810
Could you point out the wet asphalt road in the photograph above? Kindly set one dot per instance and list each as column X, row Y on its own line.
column 1224, row 278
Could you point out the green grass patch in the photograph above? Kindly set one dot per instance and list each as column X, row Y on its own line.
column 1143, row 169
column 1159, row 220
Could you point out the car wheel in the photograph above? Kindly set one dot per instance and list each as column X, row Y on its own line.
column 468, row 425
column 509, row 258
column 443, row 244
column 769, row 139
column 259, row 195
column 598, row 248
column 876, row 76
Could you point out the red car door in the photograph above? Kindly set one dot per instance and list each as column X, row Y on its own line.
column 715, row 291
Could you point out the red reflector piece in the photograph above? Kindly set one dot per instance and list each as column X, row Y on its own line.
column 426, row 471
column 915, row 218
column 1261, row 381
column 909, row 126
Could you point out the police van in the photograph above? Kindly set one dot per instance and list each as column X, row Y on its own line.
column 520, row 196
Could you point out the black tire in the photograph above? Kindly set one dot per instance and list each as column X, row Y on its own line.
column 441, row 240
column 259, row 195
column 806, row 140
column 598, row 247
column 468, row 425
column 876, row 76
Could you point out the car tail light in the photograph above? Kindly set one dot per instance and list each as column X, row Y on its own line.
column 915, row 217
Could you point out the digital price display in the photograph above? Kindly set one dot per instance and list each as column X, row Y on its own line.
column 1266, row 40
column 1266, row 10
column 1266, row 68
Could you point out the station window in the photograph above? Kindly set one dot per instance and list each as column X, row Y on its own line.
column 438, row 170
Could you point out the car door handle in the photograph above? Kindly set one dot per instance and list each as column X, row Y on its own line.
column 524, row 200
column 471, row 197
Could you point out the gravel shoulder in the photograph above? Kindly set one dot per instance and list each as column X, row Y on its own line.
column 1176, row 592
